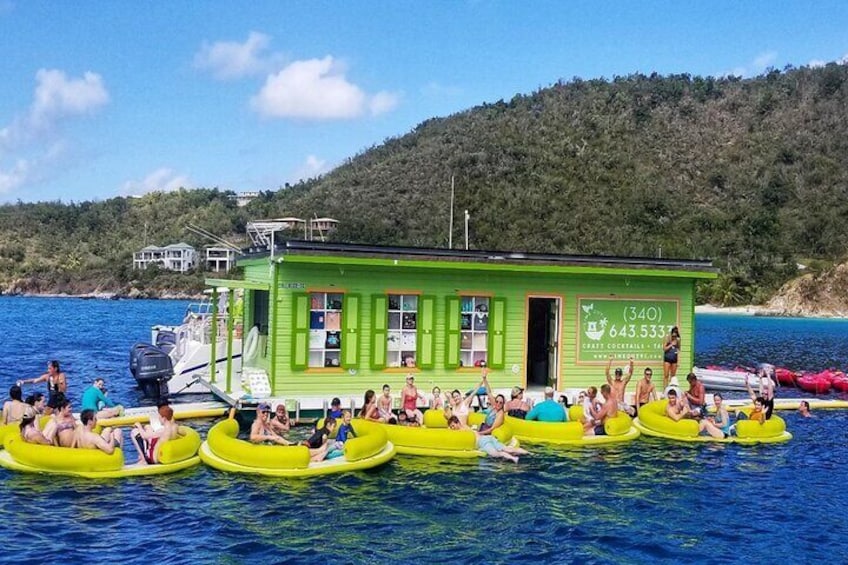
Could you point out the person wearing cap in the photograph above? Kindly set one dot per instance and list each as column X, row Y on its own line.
column 517, row 406
column 409, row 400
column 260, row 430
column 618, row 386
column 280, row 423
column 549, row 410
column 94, row 398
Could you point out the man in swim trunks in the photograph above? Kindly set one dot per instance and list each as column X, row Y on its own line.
column 619, row 384
column 147, row 442
column 676, row 409
column 645, row 389
column 280, row 423
column 549, row 410
column 106, row 441
column 384, row 406
column 607, row 411
column 260, row 430
column 696, row 396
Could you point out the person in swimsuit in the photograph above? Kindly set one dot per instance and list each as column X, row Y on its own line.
column 280, row 423
column 94, row 398
column 369, row 407
column 721, row 419
column 460, row 405
column 318, row 442
column 517, row 406
column 409, row 401
column 804, row 409
column 607, row 411
column 60, row 429
column 645, row 389
column 675, row 409
column 489, row 444
column 671, row 349
column 15, row 409
column 106, row 441
column 260, row 430
column 766, row 388
column 591, row 409
column 54, row 377
column 30, row 432
column 696, row 396
column 38, row 403
column 384, row 406
column 148, row 442
column 344, row 432
column 335, row 408
column 437, row 402
column 619, row 385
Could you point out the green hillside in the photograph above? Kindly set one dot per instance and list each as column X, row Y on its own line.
column 751, row 173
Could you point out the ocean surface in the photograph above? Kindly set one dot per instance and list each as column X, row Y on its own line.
column 648, row 501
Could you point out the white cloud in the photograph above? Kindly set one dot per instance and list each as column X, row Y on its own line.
column 383, row 102
column 312, row 89
column 312, row 167
column 31, row 145
column 228, row 60
column 816, row 63
column 162, row 179
column 843, row 60
column 317, row 89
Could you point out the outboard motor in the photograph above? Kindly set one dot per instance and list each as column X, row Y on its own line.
column 152, row 369
column 166, row 340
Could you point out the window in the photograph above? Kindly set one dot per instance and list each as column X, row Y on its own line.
column 401, row 340
column 474, row 328
column 325, row 329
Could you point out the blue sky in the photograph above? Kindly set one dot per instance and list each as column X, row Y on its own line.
column 102, row 99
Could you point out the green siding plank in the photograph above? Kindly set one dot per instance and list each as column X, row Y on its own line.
column 452, row 328
column 426, row 332
column 379, row 325
column 350, row 341
column 300, row 332
column 497, row 334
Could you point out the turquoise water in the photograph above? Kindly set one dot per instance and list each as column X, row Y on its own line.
column 649, row 501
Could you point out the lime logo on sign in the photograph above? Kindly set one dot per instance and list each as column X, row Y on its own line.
column 594, row 322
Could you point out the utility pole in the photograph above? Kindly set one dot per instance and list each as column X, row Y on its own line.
column 467, row 217
column 450, row 229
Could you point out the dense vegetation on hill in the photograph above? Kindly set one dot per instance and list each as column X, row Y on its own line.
column 751, row 173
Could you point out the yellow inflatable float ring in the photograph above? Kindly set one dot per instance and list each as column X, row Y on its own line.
column 652, row 421
column 223, row 450
column 618, row 430
column 434, row 439
column 175, row 455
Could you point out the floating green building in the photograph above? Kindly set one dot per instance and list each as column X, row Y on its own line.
column 337, row 319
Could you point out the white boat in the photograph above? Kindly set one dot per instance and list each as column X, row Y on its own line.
column 726, row 379
column 189, row 348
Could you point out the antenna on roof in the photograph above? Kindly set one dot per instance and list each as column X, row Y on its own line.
column 220, row 240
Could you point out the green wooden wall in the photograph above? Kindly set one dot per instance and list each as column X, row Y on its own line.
column 366, row 281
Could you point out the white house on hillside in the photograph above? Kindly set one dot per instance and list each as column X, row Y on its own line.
column 180, row 257
column 220, row 259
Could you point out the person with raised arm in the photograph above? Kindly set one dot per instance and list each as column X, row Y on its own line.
column 54, row 377
column 618, row 385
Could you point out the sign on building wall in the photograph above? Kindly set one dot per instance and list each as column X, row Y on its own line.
column 623, row 327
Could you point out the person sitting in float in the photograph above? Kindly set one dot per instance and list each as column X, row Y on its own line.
column 94, row 398
column 549, row 410
column 148, row 442
column 517, row 406
column 260, row 430
column 106, row 441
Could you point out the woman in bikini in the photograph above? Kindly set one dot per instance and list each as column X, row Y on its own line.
column 55, row 379
column 30, row 433
column 671, row 348
column 60, row 429
column 369, row 407
column 15, row 409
